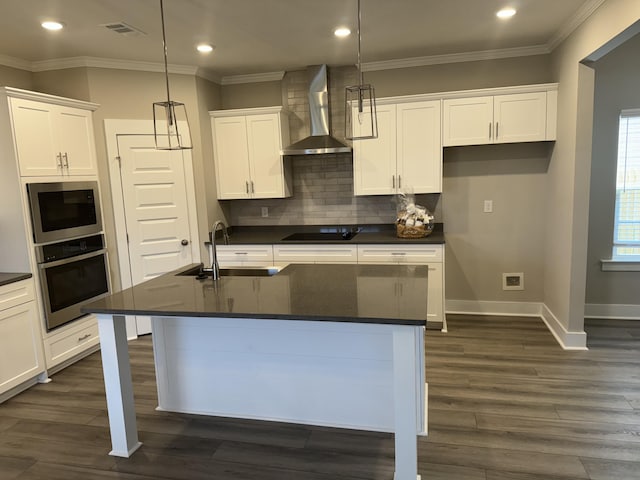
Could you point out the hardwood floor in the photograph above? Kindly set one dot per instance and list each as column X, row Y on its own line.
column 505, row 403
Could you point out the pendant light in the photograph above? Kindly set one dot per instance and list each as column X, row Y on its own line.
column 168, row 114
column 361, row 120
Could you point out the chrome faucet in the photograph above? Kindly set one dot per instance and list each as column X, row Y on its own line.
column 215, row 268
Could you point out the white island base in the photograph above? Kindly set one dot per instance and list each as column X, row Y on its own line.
column 363, row 376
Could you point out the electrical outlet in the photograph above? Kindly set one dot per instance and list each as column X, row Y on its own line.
column 265, row 212
column 488, row 206
column 513, row 281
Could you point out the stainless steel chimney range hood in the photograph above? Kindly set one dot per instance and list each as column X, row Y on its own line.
column 320, row 141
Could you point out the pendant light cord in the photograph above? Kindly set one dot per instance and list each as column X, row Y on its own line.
column 360, row 78
column 164, row 45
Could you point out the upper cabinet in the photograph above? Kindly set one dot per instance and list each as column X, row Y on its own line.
column 247, row 145
column 407, row 153
column 501, row 118
column 53, row 140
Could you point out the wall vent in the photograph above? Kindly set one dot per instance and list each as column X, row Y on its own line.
column 513, row 281
column 123, row 29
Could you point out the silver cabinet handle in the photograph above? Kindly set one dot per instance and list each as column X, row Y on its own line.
column 84, row 337
column 241, row 253
column 253, row 190
column 497, row 129
column 398, row 253
column 66, row 160
column 490, row 125
column 399, row 181
column 246, row 184
column 59, row 159
column 393, row 181
column 184, row 242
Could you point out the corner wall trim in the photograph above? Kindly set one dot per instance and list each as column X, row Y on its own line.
column 567, row 340
column 612, row 311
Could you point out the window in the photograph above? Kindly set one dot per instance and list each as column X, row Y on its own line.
column 626, row 232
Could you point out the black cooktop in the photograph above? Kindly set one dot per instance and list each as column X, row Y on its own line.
column 319, row 236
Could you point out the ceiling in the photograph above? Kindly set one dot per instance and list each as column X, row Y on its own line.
column 260, row 36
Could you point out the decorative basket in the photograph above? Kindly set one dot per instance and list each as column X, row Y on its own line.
column 413, row 232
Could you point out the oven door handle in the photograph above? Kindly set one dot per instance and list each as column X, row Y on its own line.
column 75, row 258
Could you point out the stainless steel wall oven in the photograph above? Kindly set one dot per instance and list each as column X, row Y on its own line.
column 72, row 273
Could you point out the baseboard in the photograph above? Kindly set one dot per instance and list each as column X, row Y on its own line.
column 476, row 307
column 612, row 311
column 567, row 340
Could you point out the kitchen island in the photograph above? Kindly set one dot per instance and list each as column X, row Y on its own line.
column 334, row 345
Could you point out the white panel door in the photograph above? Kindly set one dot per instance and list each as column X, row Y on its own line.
column 156, row 209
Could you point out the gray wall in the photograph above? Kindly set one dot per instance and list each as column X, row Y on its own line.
column 616, row 88
column 14, row 77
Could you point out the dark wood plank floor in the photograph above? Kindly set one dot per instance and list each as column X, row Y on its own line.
column 505, row 402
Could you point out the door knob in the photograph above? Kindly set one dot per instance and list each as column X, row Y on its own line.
column 185, row 242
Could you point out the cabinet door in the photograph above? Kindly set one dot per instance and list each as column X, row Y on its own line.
column 21, row 356
column 265, row 162
column 435, row 295
column 374, row 160
column 35, row 137
column 231, row 157
column 467, row 121
column 520, row 117
column 419, row 148
column 75, row 132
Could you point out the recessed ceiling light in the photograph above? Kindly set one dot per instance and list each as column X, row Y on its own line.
column 205, row 48
column 52, row 25
column 342, row 32
column 506, row 13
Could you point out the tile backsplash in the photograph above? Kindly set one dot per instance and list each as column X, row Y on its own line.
column 322, row 195
column 322, row 184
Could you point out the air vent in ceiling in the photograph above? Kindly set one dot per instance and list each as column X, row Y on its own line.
column 123, row 29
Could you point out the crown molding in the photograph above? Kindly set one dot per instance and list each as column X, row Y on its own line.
column 253, row 78
column 97, row 62
column 455, row 58
column 13, row 62
column 584, row 12
column 209, row 75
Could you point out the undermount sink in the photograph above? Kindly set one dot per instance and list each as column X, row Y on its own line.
column 231, row 272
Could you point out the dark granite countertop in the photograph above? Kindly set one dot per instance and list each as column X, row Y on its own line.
column 381, row 294
column 7, row 278
column 369, row 234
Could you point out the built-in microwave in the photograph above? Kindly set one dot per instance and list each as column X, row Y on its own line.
column 64, row 210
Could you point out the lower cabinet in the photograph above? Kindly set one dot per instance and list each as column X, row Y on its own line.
column 65, row 343
column 430, row 255
column 282, row 255
column 21, row 355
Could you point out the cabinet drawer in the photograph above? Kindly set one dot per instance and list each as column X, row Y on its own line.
column 238, row 255
column 315, row 253
column 16, row 293
column 64, row 345
column 412, row 254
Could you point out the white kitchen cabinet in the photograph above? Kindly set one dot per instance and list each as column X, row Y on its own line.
column 424, row 254
column 21, row 353
column 407, row 153
column 53, row 140
column 247, row 145
column 316, row 253
column 508, row 118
